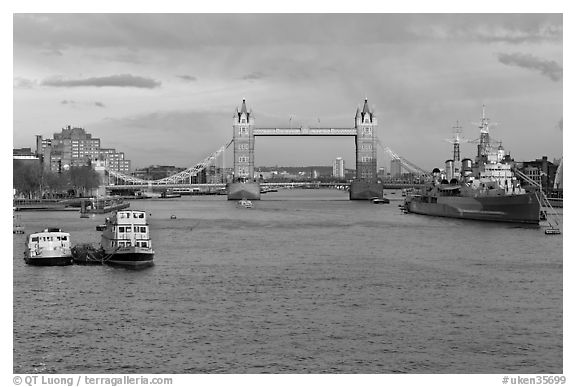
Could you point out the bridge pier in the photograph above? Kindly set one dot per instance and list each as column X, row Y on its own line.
column 243, row 190
column 366, row 189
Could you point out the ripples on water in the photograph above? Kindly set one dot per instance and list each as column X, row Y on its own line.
column 304, row 282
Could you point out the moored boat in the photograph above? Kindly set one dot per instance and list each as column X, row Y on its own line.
column 245, row 203
column 169, row 194
column 126, row 240
column 17, row 227
column 486, row 189
column 455, row 201
column 50, row 247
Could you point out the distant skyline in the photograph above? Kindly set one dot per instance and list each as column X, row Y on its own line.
column 163, row 87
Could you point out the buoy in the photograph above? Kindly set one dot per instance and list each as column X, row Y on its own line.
column 173, row 217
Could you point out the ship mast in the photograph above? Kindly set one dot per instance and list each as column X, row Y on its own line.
column 456, row 142
column 484, row 126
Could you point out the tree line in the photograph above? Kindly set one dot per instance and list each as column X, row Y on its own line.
column 31, row 181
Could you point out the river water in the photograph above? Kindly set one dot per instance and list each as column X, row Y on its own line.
column 305, row 282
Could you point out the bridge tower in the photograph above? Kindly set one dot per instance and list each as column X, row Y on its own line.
column 243, row 186
column 366, row 185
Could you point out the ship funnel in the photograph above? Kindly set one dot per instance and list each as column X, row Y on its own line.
column 466, row 166
column 466, row 170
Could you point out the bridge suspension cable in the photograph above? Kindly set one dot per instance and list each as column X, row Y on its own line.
column 404, row 162
column 174, row 179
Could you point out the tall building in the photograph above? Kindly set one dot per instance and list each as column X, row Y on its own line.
column 395, row 168
column 74, row 147
column 338, row 168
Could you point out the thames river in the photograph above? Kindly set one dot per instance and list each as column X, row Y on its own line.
column 305, row 282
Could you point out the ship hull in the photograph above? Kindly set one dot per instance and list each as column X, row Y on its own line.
column 49, row 261
column 512, row 208
column 131, row 259
column 239, row 191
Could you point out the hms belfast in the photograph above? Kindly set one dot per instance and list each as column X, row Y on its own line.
column 486, row 189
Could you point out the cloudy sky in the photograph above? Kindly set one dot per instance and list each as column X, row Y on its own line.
column 163, row 87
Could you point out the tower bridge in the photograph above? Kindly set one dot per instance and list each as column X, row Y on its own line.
column 366, row 184
column 243, row 185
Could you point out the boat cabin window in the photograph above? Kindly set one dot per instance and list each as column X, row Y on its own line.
column 141, row 216
column 142, row 244
column 124, row 229
column 34, row 239
column 140, row 228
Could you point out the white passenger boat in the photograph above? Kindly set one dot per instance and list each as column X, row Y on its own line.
column 126, row 239
column 245, row 203
column 50, row 247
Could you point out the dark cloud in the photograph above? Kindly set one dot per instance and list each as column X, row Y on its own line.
column 53, row 52
column 24, row 83
column 548, row 68
column 75, row 104
column 187, row 78
column 121, row 80
column 185, row 31
column 499, row 28
column 253, row 76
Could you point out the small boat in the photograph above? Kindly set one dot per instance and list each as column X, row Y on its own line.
column 17, row 227
column 50, row 247
column 377, row 200
column 169, row 195
column 245, row 203
column 87, row 254
column 552, row 231
column 126, row 240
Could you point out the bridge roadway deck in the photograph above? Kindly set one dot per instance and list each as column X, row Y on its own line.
column 305, row 131
column 387, row 185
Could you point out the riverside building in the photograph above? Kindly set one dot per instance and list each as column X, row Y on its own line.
column 74, row 147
